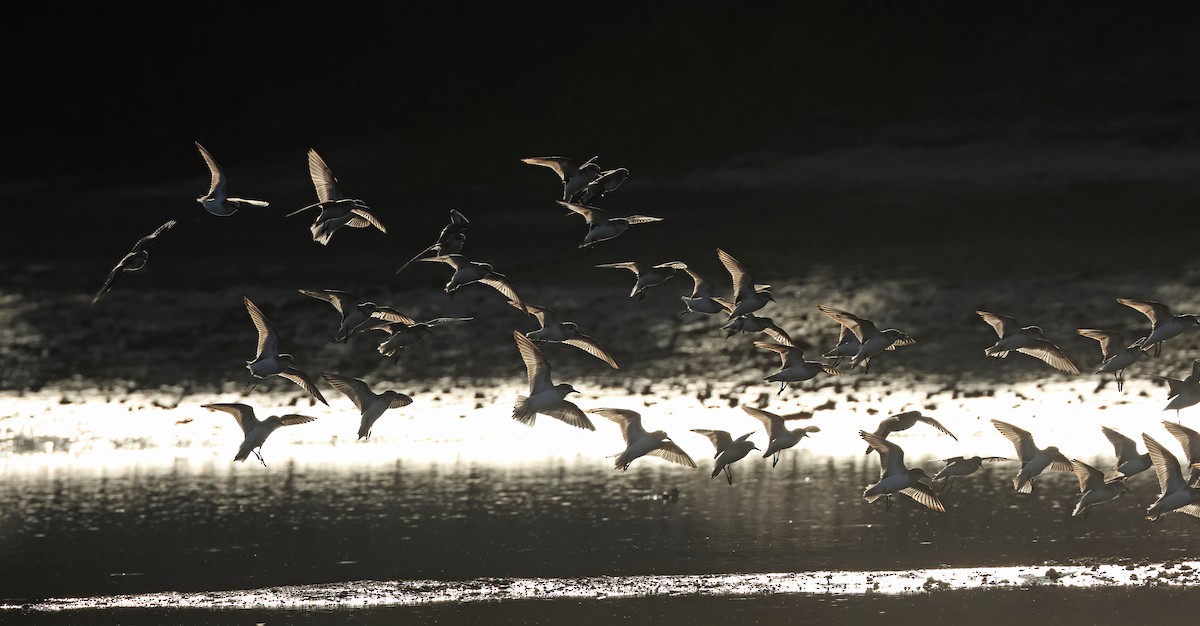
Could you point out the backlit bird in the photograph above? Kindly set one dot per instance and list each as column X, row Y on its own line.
column 370, row 405
column 895, row 476
column 544, row 396
column 779, row 436
column 256, row 431
column 1034, row 460
column 268, row 361
column 872, row 341
column 216, row 201
column 728, row 450
column 640, row 443
column 1028, row 340
column 336, row 211
column 133, row 261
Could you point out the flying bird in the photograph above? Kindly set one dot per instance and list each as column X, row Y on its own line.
column 1190, row 441
column 133, row 261
column 1095, row 488
column 268, row 361
column 905, row 421
column 751, row 323
column 872, row 340
column 601, row 227
column 847, row 346
column 467, row 272
column 1163, row 324
column 1034, row 460
column 779, row 436
column 256, row 431
column 449, row 241
column 748, row 296
column 729, row 450
column 604, row 184
column 701, row 300
column 1116, row 356
column 1182, row 393
column 216, row 201
column 370, row 405
column 793, row 368
column 553, row 330
column 647, row 276
column 404, row 331
column 1129, row 462
column 574, row 179
column 1028, row 340
column 895, row 476
column 354, row 315
column 639, row 443
column 1175, row 495
column 959, row 466
column 544, row 396
column 336, row 211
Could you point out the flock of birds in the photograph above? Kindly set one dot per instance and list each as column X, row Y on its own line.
column 859, row 340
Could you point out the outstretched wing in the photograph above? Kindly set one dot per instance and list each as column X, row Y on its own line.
column 537, row 367
column 1124, row 447
column 891, row 456
column 589, row 213
column 216, row 182
column 1156, row 311
column 322, row 178
column 719, row 438
column 671, row 451
column 358, row 391
column 924, row 494
column 1089, row 477
column 641, row 219
column 561, row 165
column 306, row 383
column 108, row 282
column 571, row 414
column 268, row 342
column 634, row 266
column 292, row 419
column 771, row 422
column 1021, row 439
column 341, row 300
column 862, row 328
column 244, row 414
column 743, row 281
column 630, row 421
column 1002, row 324
column 936, row 424
column 590, row 346
column 500, row 283
column 1107, row 338
column 544, row 315
column 1166, row 466
column 1052, row 355
column 364, row 218
column 145, row 241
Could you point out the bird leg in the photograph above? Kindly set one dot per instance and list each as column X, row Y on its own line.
column 1120, row 380
column 782, row 386
column 641, row 295
column 729, row 475
column 887, row 502
column 775, row 460
column 260, row 459
column 1157, row 349
column 251, row 384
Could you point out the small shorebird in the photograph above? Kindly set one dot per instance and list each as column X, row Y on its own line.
column 748, row 296
column 872, row 340
column 895, row 476
column 574, row 179
column 1182, row 393
column 751, row 323
column 1034, row 460
column 701, row 300
column 133, row 261
column 1028, row 340
column 728, row 449
column 1129, row 462
column 370, row 405
column 905, row 421
column 639, row 443
column 779, row 437
column 1163, row 324
column 647, row 276
column 404, row 331
column 449, row 241
column 467, row 272
column 544, row 396
column 958, row 466
column 1094, row 488
column 256, row 431
column 336, row 211
column 355, row 317
column 215, row 201
column 604, row 184
column 552, row 330
column 602, row 227
column 268, row 361
column 1175, row 495
column 1190, row 441
column 793, row 368
column 847, row 346
column 1116, row 356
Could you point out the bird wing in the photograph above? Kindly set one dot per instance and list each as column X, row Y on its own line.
column 1156, row 311
column 536, row 366
column 457, row 261
column 108, row 282
column 400, row 401
column 743, row 281
column 1107, row 339
column 891, row 456
column 780, row 349
column 322, row 178
column 217, row 178
column 702, row 288
column 641, row 219
column 560, row 165
column 671, row 451
column 1052, row 355
column 1166, row 466
column 589, row 345
column 292, row 419
column 936, row 424
column 589, row 213
column 719, row 438
column 924, row 494
column 341, row 300
column 778, row 334
column 630, row 421
column 1089, row 477
column 392, row 315
column 770, row 421
column 863, row 329
column 438, row 321
column 544, row 315
column 634, row 266
column 1195, row 375
column 244, row 414
column 500, row 283
column 1125, row 447
column 1002, row 324
column 1188, row 438
column 724, row 304
column 1021, row 439
column 571, row 414
column 267, row 340
column 1060, row 463
column 306, row 383
column 901, row 340
column 364, row 218
column 358, row 391
column 145, row 241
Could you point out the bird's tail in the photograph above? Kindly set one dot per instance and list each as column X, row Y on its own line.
column 523, row 412
column 1023, row 484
